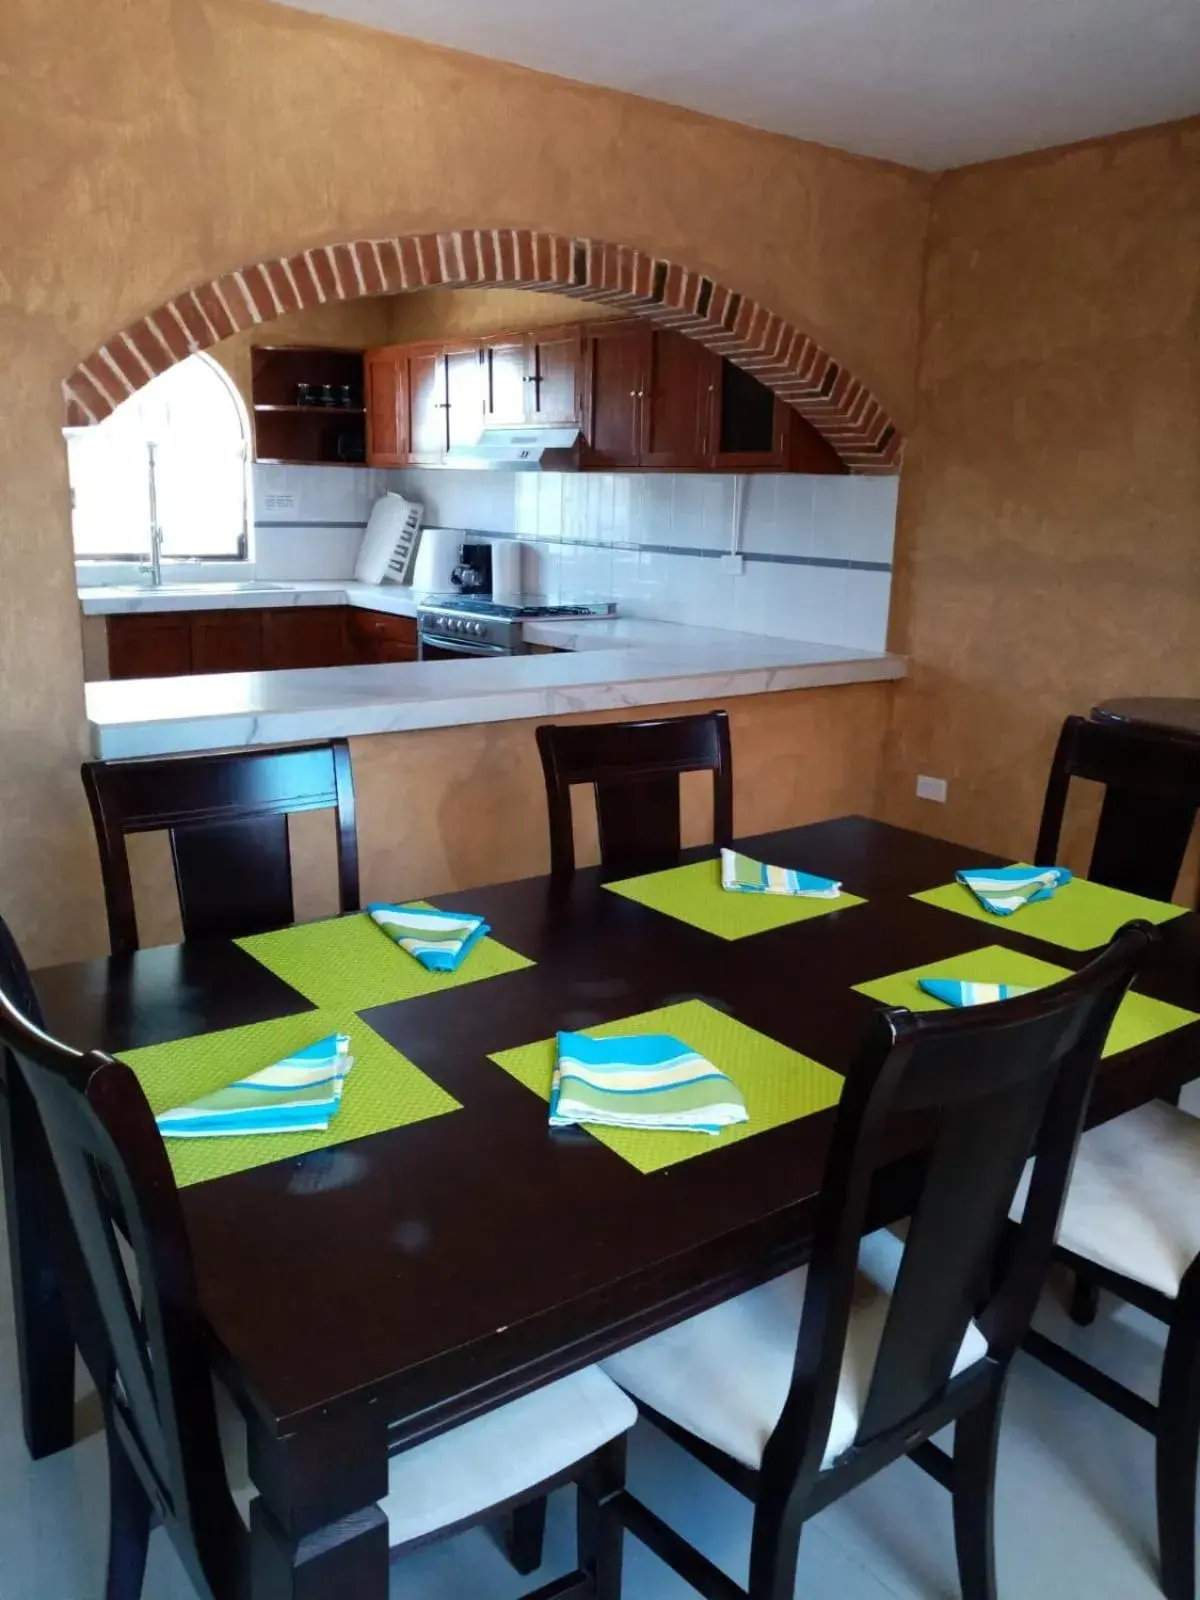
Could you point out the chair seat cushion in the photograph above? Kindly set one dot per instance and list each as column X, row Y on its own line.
column 724, row 1375
column 493, row 1458
column 1133, row 1204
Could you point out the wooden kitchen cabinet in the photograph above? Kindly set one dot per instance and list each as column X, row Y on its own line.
column 375, row 636
column 751, row 429
column 556, row 356
column 507, row 380
column 386, row 381
column 464, row 408
column 426, row 407
column 150, row 646
column 227, row 641
column 647, row 400
column 304, row 636
column 616, row 370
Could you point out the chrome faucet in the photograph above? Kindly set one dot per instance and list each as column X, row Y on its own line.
column 153, row 568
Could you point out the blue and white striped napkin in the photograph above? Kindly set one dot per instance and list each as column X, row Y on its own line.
column 956, row 993
column 439, row 940
column 1003, row 890
column 743, row 875
column 299, row 1094
column 644, row 1081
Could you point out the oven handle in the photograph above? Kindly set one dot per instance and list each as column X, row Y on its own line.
column 458, row 647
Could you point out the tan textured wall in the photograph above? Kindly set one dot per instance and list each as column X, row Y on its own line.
column 449, row 808
column 152, row 146
column 1049, row 525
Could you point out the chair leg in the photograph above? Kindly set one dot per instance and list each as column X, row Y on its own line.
column 774, row 1555
column 601, row 1534
column 128, row 1524
column 524, row 1534
column 1176, row 1446
column 1084, row 1302
column 976, row 1437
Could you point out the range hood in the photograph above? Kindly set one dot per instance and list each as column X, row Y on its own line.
column 514, row 449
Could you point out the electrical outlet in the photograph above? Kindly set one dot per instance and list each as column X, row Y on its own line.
column 734, row 565
column 931, row 788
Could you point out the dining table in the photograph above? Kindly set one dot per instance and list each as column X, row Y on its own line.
column 368, row 1294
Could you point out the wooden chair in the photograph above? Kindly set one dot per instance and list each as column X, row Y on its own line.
column 167, row 1462
column 799, row 1390
column 227, row 818
column 1152, row 793
column 634, row 768
column 1131, row 1224
column 35, row 1227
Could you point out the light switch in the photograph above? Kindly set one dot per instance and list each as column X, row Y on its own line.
column 931, row 788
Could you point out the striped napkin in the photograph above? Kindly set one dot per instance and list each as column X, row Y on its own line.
column 743, row 875
column 648, row 1080
column 439, row 940
column 1003, row 890
column 955, row 993
column 299, row 1094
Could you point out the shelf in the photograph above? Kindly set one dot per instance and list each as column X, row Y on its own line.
column 317, row 411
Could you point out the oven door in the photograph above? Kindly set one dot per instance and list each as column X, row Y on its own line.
column 436, row 647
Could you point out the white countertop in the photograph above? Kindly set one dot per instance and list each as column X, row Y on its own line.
column 652, row 664
column 120, row 600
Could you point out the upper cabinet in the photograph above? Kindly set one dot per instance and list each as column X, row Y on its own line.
column 643, row 397
column 308, row 404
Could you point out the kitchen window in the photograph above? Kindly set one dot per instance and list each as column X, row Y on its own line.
column 174, row 454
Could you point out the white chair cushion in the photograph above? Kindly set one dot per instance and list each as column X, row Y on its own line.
column 1133, row 1204
column 494, row 1457
column 724, row 1375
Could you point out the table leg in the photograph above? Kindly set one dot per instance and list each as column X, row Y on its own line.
column 316, row 1532
column 45, row 1345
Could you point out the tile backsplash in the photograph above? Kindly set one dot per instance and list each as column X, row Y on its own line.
column 816, row 551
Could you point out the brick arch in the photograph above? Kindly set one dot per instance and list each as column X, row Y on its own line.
column 787, row 360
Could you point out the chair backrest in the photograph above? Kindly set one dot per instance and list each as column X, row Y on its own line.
column 131, row 1266
column 227, row 818
column 993, row 1084
column 634, row 768
column 1152, row 793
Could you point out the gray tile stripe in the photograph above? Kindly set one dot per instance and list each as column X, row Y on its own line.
column 837, row 562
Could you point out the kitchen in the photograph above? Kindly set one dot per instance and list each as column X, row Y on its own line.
column 639, row 519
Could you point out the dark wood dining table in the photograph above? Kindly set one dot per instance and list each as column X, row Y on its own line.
column 367, row 1296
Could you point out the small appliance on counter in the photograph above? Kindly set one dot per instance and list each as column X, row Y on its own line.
column 473, row 574
column 462, row 625
column 390, row 542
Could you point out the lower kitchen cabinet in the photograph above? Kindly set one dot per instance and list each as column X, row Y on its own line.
column 179, row 643
column 150, row 646
column 305, row 636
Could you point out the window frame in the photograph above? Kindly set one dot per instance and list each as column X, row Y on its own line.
column 140, row 559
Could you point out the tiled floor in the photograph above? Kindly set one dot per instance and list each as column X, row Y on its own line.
column 1075, row 1514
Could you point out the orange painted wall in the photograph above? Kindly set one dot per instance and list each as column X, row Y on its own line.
column 1049, row 527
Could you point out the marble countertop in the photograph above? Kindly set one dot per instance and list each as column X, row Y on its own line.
column 623, row 663
column 111, row 600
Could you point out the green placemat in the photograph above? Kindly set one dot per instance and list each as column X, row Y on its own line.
column 694, row 894
column 778, row 1084
column 384, row 1089
column 1079, row 916
column 1138, row 1018
column 350, row 963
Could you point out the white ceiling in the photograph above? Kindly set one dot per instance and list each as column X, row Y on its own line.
column 933, row 83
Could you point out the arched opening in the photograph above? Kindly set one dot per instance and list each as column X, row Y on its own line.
column 789, row 361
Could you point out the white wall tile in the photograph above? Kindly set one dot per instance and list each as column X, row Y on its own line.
column 653, row 523
column 480, row 500
column 527, row 492
column 281, row 553
column 758, row 516
column 687, row 511
column 865, row 619
column 795, row 496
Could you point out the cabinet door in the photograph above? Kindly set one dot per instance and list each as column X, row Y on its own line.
column 387, row 412
column 508, row 382
column 618, row 364
column 304, row 636
column 675, row 403
column 750, row 424
column 377, row 636
column 464, row 396
column 555, row 366
column 150, row 646
column 426, row 406
column 227, row 641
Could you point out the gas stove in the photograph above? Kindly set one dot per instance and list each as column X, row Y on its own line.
column 477, row 625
